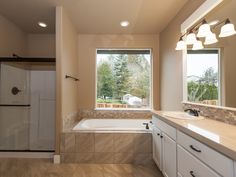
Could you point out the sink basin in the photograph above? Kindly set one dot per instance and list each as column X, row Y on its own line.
column 182, row 115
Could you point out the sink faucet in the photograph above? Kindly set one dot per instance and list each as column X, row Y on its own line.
column 192, row 112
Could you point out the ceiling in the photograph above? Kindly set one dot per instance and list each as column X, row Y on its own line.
column 94, row 16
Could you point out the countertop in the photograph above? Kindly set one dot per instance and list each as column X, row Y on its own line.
column 217, row 135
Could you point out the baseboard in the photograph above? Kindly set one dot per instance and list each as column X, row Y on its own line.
column 56, row 159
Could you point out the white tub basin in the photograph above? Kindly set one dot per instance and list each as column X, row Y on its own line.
column 182, row 115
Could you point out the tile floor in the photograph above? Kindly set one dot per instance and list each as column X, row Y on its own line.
column 45, row 168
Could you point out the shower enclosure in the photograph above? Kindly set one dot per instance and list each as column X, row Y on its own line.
column 27, row 105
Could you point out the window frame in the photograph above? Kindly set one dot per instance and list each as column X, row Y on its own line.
column 151, row 80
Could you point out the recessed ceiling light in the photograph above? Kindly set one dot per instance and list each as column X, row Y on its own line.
column 212, row 23
column 124, row 23
column 42, row 24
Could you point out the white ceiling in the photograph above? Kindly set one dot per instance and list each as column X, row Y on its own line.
column 94, row 16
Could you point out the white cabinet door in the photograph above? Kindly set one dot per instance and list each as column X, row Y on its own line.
column 234, row 168
column 157, row 147
column 169, row 156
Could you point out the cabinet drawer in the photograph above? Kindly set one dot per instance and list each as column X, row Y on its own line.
column 220, row 163
column 169, row 130
column 189, row 166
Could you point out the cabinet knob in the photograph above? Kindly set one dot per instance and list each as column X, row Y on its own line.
column 161, row 136
column 158, row 134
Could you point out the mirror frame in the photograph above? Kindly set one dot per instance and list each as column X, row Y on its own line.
column 197, row 15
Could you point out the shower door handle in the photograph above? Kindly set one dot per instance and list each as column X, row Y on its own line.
column 15, row 90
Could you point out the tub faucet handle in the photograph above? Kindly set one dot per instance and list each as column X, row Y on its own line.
column 147, row 126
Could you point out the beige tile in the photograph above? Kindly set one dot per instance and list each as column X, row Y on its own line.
column 124, row 142
column 104, row 157
column 45, row 168
column 143, row 159
column 69, row 142
column 145, row 171
column 143, row 143
column 118, row 168
column 104, row 142
column 84, row 158
column 85, row 142
column 127, row 157
column 62, row 143
column 68, row 158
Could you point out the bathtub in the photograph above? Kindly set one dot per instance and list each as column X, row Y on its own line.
column 110, row 125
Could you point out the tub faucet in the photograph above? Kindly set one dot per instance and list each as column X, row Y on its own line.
column 192, row 112
column 147, row 126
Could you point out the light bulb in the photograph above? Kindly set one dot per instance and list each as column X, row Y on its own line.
column 227, row 29
column 204, row 30
column 210, row 39
column 197, row 45
column 181, row 45
column 191, row 38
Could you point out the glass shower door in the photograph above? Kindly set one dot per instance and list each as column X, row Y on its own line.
column 14, row 106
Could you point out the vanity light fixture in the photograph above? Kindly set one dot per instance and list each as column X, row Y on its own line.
column 227, row 29
column 197, row 45
column 181, row 45
column 191, row 38
column 210, row 39
column 203, row 29
column 42, row 24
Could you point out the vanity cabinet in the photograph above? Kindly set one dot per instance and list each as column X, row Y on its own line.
column 234, row 168
column 164, row 147
column 178, row 154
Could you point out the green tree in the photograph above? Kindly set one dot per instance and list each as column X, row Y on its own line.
column 104, row 80
column 205, row 88
column 140, row 82
column 121, row 76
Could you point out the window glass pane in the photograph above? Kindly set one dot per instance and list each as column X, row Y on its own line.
column 203, row 77
column 123, row 79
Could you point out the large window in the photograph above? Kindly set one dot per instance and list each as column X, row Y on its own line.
column 123, row 79
column 203, row 83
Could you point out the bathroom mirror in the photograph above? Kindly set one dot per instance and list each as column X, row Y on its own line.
column 210, row 73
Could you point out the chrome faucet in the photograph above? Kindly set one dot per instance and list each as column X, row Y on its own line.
column 192, row 112
column 147, row 126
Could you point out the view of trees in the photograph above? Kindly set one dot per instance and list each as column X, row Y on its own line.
column 121, row 74
column 204, row 87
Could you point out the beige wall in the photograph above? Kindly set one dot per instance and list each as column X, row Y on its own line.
column 41, row 45
column 171, row 60
column 67, row 63
column 12, row 39
column 87, row 45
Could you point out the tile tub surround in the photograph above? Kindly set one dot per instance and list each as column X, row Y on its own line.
column 116, row 114
column 223, row 114
column 103, row 148
column 70, row 120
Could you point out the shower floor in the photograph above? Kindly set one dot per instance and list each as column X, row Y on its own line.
column 44, row 167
